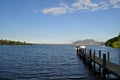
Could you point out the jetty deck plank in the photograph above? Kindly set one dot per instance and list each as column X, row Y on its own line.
column 108, row 67
column 111, row 67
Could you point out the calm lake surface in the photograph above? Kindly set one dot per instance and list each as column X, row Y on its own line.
column 46, row 62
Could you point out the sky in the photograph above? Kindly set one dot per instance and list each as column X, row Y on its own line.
column 59, row 21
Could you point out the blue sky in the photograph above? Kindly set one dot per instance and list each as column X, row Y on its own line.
column 59, row 21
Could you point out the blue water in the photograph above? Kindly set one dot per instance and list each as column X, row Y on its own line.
column 42, row 62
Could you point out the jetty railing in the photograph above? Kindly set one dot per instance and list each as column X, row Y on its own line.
column 100, row 63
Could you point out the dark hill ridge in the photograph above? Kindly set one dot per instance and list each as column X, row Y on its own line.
column 114, row 42
column 87, row 42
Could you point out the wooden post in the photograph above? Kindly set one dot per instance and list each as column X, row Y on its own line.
column 77, row 50
column 90, row 53
column 104, row 66
column 108, row 56
column 100, row 58
column 100, row 54
column 85, row 55
column 83, row 51
column 80, row 49
column 94, row 67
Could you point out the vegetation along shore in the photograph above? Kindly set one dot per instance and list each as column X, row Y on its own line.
column 114, row 42
column 10, row 42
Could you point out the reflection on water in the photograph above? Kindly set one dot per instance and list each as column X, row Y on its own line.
column 42, row 62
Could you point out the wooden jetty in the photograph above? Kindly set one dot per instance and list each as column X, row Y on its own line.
column 105, row 66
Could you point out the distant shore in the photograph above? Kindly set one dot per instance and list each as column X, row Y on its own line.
column 10, row 42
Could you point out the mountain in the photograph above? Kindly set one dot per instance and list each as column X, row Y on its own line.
column 113, row 42
column 87, row 42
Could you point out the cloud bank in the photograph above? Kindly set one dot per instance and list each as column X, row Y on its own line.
column 79, row 5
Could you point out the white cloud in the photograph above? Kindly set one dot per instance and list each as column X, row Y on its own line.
column 115, row 3
column 62, row 9
column 54, row 10
column 79, row 5
column 85, row 4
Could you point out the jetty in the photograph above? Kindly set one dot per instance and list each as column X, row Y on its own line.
column 100, row 63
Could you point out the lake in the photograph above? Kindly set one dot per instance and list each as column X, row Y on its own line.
column 46, row 62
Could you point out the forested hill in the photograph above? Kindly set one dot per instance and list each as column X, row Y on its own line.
column 114, row 42
column 9, row 42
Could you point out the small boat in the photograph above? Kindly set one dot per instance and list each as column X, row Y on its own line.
column 82, row 47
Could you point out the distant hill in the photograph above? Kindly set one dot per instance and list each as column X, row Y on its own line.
column 113, row 42
column 9, row 42
column 87, row 42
